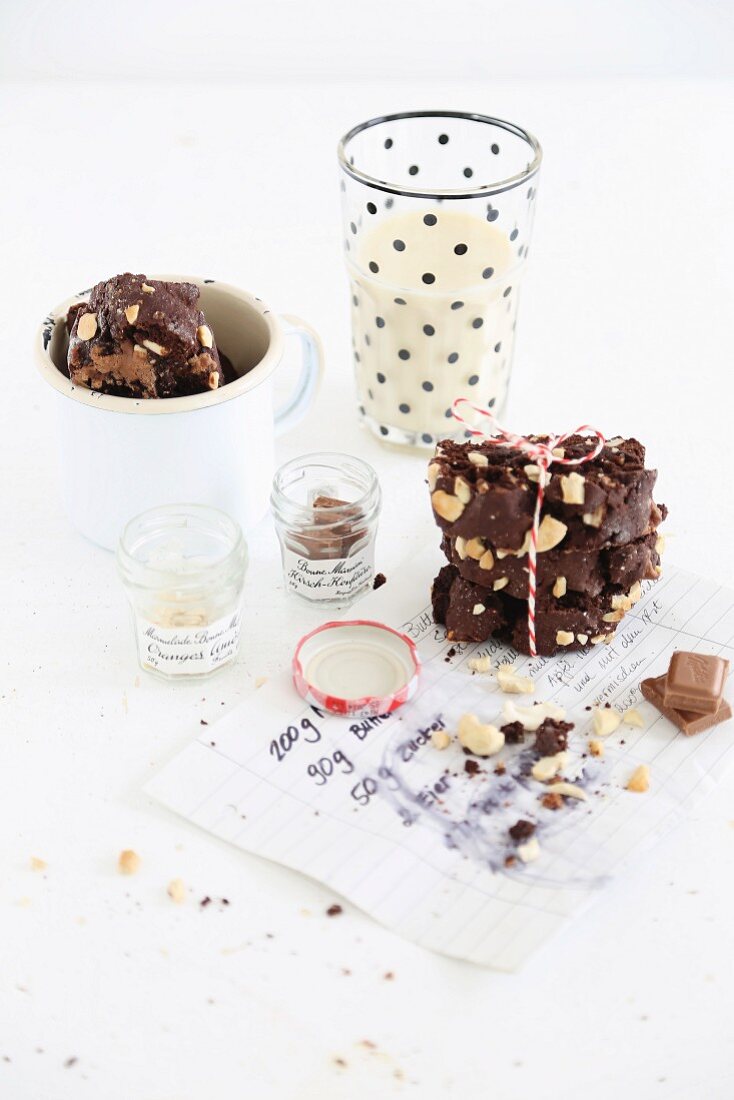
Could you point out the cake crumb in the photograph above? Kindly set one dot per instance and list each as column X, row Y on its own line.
column 334, row 910
column 596, row 748
column 38, row 864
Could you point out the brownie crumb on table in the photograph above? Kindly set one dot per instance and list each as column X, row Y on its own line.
column 334, row 910
column 379, row 580
column 521, row 830
column 514, row 733
column 552, row 737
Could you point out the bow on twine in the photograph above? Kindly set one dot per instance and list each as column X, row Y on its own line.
column 542, row 455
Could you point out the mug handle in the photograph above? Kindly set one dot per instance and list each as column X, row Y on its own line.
column 297, row 403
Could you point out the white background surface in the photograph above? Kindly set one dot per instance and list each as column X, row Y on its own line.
column 219, row 159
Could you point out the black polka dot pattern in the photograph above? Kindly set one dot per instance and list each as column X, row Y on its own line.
column 423, row 346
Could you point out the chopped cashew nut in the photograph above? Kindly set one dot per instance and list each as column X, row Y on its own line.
column 446, row 506
column 583, row 638
column 558, row 452
column 569, row 790
column 475, row 549
column 559, row 588
column 573, row 488
column 460, row 547
column 131, row 313
column 204, row 336
column 128, row 862
column 478, row 609
column 512, row 684
column 433, row 471
column 635, row 592
column 532, row 472
column 477, row 458
column 176, row 890
column 620, row 602
column 640, row 779
column 483, row 740
column 632, row 717
column 529, row 851
column 500, row 584
column 593, row 519
column 487, row 560
column 548, row 767
column 550, row 533
column 564, row 637
column 147, row 288
column 613, row 617
column 660, row 545
column 606, row 721
column 480, row 664
column 531, row 717
column 462, row 489
column 86, row 326
column 440, row 739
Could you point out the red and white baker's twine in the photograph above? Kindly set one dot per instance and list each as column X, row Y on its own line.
column 542, row 456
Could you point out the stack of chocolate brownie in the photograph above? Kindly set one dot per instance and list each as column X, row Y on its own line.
column 597, row 541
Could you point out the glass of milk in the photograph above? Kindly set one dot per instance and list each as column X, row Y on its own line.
column 438, row 209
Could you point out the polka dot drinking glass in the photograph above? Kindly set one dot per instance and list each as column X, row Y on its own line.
column 438, row 209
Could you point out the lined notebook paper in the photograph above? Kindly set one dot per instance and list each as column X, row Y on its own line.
column 373, row 810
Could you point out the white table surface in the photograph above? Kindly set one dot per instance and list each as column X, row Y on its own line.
column 625, row 322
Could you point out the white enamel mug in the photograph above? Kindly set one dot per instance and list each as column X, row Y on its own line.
column 121, row 456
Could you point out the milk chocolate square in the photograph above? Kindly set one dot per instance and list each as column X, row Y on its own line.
column 687, row 721
column 695, row 682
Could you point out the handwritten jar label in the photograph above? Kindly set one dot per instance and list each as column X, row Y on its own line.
column 328, row 579
column 188, row 650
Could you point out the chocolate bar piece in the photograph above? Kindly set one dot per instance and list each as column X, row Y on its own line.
column 143, row 338
column 687, row 721
column 695, row 682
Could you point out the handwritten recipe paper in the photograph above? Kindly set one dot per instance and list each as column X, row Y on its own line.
column 370, row 808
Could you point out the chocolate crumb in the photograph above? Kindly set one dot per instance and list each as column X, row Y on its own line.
column 552, row 737
column 389, row 976
column 450, row 653
column 205, row 901
column 334, row 910
column 471, row 767
column 203, row 722
column 500, row 769
column 521, row 830
column 379, row 580
column 552, row 801
column 510, row 861
column 340, row 1062
column 514, row 733
column 70, row 1062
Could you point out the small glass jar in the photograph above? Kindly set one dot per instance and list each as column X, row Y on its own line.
column 183, row 568
column 326, row 508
